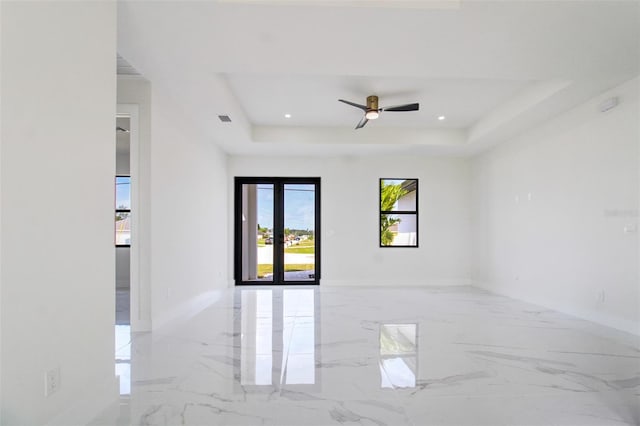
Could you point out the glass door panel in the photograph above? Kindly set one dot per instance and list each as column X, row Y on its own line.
column 277, row 230
column 257, row 232
column 299, row 231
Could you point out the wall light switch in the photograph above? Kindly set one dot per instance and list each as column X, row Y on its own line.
column 51, row 381
column 630, row 229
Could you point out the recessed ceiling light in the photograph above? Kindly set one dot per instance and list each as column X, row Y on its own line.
column 287, row 116
column 442, row 117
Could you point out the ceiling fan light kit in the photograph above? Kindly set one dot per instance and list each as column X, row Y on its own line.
column 372, row 110
column 372, row 115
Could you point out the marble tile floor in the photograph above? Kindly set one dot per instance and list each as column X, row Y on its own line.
column 376, row 356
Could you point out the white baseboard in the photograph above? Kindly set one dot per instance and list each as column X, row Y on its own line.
column 140, row 325
column 388, row 283
column 397, row 283
column 621, row 324
column 187, row 309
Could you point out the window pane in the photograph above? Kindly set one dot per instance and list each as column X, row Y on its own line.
column 123, row 228
column 257, row 232
column 398, row 230
column 123, row 193
column 398, row 194
column 299, row 231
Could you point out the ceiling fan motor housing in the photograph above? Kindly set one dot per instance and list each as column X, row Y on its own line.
column 372, row 103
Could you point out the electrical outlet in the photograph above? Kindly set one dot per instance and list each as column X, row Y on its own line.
column 51, row 381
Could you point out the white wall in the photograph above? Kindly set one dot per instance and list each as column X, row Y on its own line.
column 181, row 218
column 407, row 226
column 350, row 224
column 565, row 248
column 57, row 161
column 189, row 215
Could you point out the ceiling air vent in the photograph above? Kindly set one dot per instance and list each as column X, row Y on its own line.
column 225, row 118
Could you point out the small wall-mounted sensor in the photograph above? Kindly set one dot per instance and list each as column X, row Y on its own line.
column 225, row 118
column 608, row 104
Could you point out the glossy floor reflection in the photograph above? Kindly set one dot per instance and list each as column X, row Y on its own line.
column 324, row 356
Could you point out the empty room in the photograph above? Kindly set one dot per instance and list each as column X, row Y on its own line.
column 320, row 212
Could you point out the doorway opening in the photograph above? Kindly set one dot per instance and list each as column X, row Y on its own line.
column 277, row 230
column 122, row 231
column 126, row 209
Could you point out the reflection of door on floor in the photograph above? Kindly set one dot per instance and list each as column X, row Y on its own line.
column 277, row 230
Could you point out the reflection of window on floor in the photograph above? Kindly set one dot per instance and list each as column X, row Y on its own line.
column 299, row 336
column 398, row 355
column 256, row 351
column 123, row 358
column 294, row 354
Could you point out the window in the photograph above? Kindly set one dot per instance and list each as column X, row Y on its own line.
column 123, row 211
column 277, row 230
column 398, row 212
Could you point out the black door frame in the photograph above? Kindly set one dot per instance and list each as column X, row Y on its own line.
column 278, row 228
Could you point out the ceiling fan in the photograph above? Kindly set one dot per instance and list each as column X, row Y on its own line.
column 371, row 110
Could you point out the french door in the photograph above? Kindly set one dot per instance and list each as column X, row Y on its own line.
column 277, row 230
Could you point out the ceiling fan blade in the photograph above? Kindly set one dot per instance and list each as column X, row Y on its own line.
column 362, row 122
column 407, row 107
column 362, row 107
